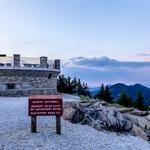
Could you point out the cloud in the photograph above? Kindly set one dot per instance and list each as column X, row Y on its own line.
column 105, row 70
column 144, row 54
column 105, row 62
column 27, row 43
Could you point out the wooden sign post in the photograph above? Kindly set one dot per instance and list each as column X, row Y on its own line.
column 45, row 105
column 33, row 124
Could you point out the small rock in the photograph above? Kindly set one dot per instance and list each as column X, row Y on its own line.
column 148, row 134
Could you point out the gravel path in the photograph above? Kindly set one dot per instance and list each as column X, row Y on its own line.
column 15, row 133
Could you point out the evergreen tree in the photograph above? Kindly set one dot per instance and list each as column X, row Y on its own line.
column 139, row 102
column 86, row 91
column 101, row 93
column 74, row 85
column 125, row 100
column 69, row 86
column 108, row 98
column 61, row 83
column 79, row 87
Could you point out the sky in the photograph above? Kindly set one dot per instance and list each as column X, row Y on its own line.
column 82, row 31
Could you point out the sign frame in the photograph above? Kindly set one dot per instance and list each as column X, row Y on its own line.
column 45, row 105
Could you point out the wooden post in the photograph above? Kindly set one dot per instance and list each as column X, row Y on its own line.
column 33, row 124
column 58, row 125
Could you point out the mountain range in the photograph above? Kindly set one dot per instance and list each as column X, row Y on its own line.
column 130, row 90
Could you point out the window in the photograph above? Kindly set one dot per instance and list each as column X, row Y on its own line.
column 10, row 86
column 50, row 76
column 1, row 64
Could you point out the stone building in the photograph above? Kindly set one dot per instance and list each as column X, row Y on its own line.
column 21, row 76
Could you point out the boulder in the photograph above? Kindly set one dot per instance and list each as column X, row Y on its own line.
column 116, row 120
column 148, row 117
column 138, row 120
column 148, row 134
column 138, row 131
column 69, row 110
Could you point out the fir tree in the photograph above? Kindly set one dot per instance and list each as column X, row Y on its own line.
column 101, row 93
column 69, row 86
column 74, row 85
column 61, row 83
column 79, row 87
column 125, row 100
column 107, row 95
column 86, row 91
column 139, row 102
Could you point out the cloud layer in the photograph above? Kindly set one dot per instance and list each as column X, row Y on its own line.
column 105, row 62
column 105, row 70
column 144, row 54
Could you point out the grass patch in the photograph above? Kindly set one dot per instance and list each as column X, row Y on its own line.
column 84, row 98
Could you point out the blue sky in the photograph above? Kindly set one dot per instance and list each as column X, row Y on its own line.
column 118, row 29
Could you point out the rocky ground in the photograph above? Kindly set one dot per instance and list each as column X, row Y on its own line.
column 15, row 133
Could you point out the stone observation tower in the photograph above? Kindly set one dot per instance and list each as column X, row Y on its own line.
column 23, row 76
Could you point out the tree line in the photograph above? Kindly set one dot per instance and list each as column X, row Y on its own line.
column 124, row 100
column 72, row 86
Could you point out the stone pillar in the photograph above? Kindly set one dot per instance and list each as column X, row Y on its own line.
column 16, row 60
column 43, row 62
column 57, row 64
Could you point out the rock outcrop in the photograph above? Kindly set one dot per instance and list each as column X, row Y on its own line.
column 106, row 117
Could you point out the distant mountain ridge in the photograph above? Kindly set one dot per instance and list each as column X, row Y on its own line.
column 130, row 90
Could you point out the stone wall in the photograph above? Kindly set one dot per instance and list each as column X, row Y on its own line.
column 28, row 82
column 27, row 73
column 28, row 92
